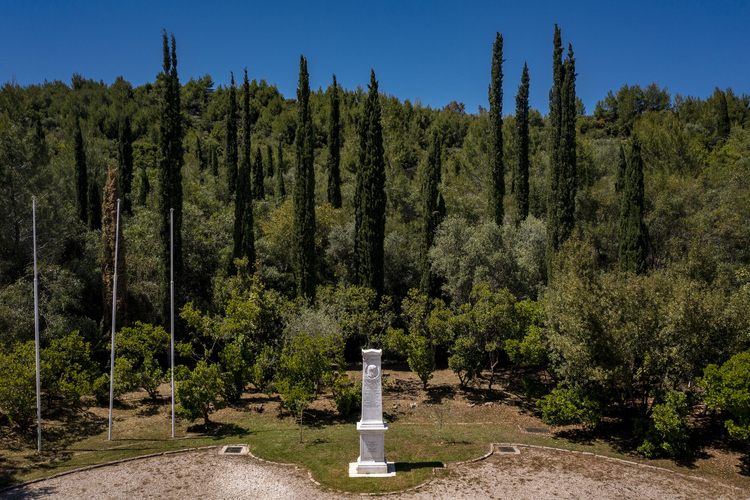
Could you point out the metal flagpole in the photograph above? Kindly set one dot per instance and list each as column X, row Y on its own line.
column 171, row 300
column 36, row 333
column 114, row 313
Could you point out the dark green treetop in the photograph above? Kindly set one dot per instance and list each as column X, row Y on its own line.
column 723, row 124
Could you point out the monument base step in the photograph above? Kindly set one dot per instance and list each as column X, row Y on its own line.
column 387, row 469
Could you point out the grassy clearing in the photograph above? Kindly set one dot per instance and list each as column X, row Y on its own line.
column 330, row 442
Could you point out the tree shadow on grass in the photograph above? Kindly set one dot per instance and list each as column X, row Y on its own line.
column 618, row 434
column 410, row 466
column 231, row 430
column 317, row 418
column 149, row 408
column 74, row 425
column 437, row 393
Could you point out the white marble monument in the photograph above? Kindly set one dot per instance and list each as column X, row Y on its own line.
column 371, row 461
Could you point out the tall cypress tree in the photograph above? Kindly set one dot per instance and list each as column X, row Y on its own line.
column 522, row 123
column 82, row 178
column 561, row 202
column 497, row 169
column 279, row 188
column 304, row 191
column 334, row 147
column 125, row 160
column 431, row 214
column 231, row 154
column 633, row 233
column 370, row 195
column 258, row 188
column 170, row 171
column 244, row 235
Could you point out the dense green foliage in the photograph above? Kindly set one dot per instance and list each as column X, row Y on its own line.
column 139, row 347
column 728, row 387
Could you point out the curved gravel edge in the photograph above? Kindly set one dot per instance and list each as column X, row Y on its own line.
column 414, row 488
column 104, row 464
column 622, row 461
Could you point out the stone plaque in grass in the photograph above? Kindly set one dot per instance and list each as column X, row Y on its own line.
column 507, row 449
column 233, row 450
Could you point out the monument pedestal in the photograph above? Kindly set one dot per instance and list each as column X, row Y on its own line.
column 371, row 428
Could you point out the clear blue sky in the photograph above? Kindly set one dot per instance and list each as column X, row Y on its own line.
column 432, row 50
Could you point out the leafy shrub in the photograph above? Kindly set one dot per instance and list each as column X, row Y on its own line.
column 346, row 395
column 728, row 387
column 667, row 432
column 235, row 370
column 570, row 406
column 264, row 370
column 532, row 349
column 466, row 359
column 66, row 369
column 17, row 385
column 136, row 364
column 417, row 350
column 198, row 391
column 305, row 363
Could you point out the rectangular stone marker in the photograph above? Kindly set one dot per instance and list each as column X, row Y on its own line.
column 371, row 461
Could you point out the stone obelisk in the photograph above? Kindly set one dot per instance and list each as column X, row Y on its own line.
column 371, row 461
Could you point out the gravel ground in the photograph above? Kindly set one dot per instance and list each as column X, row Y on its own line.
column 533, row 474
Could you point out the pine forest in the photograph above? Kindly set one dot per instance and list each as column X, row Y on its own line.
column 600, row 258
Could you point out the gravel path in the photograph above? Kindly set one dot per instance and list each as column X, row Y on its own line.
column 533, row 474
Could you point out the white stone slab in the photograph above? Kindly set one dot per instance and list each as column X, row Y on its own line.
column 391, row 471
